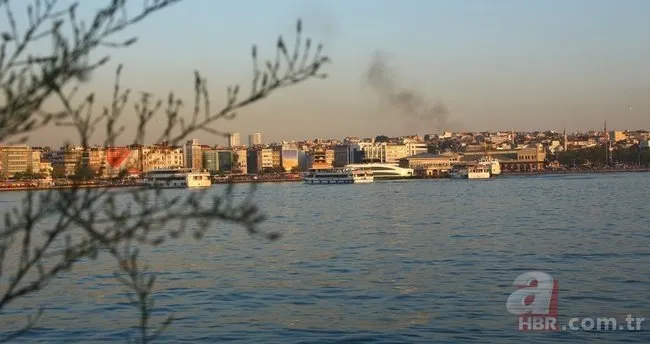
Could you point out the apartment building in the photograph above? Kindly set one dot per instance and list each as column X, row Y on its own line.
column 240, row 161
column 320, row 158
column 234, row 140
column 193, row 155
column 18, row 159
column 162, row 156
column 259, row 159
column 254, row 139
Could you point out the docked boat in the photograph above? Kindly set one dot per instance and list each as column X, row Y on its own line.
column 383, row 170
column 338, row 176
column 492, row 163
column 478, row 172
column 458, row 173
column 177, row 178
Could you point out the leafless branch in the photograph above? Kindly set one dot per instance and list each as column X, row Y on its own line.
column 51, row 231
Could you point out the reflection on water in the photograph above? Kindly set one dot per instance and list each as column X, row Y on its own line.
column 417, row 261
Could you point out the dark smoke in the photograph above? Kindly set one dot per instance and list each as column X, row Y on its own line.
column 419, row 112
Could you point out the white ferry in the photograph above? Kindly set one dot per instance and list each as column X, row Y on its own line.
column 494, row 165
column 472, row 172
column 338, row 176
column 478, row 172
column 177, row 178
column 383, row 170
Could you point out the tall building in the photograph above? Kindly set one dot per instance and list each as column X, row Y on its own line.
column 233, row 140
column 193, row 154
column 254, row 139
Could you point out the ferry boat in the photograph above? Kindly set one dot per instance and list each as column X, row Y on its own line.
column 492, row 163
column 177, row 178
column 383, row 170
column 480, row 171
column 338, row 176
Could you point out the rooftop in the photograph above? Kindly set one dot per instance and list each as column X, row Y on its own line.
column 445, row 155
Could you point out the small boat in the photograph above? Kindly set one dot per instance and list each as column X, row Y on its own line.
column 177, row 178
column 459, row 173
column 338, row 176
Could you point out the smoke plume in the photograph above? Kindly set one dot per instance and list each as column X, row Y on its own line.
column 418, row 111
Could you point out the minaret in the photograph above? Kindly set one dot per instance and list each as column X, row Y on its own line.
column 565, row 140
column 606, row 144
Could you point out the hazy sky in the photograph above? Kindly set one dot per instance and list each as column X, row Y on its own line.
column 498, row 64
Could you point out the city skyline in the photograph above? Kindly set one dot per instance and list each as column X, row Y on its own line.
column 494, row 65
column 233, row 139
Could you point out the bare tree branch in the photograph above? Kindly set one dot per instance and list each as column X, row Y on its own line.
column 51, row 231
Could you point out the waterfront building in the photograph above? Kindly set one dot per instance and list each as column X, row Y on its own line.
column 210, row 160
column 193, row 155
column 94, row 158
column 428, row 164
column 259, row 159
column 118, row 159
column 18, row 159
column 289, row 159
column 383, row 152
column 239, row 161
column 162, row 156
column 528, row 159
column 67, row 160
column 277, row 156
column 320, row 158
column 225, row 160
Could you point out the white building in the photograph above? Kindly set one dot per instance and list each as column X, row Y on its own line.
column 233, row 140
column 382, row 152
column 254, row 139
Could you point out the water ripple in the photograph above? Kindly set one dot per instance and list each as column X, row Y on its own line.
column 392, row 262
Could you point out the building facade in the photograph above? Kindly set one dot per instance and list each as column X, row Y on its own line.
column 234, row 140
column 18, row 159
column 321, row 158
column 290, row 159
column 254, row 139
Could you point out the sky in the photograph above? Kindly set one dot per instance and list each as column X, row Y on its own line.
column 495, row 65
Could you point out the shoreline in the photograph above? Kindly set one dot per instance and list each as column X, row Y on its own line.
column 535, row 173
column 294, row 180
column 55, row 187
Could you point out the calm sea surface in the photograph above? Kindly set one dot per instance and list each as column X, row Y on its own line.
column 391, row 262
